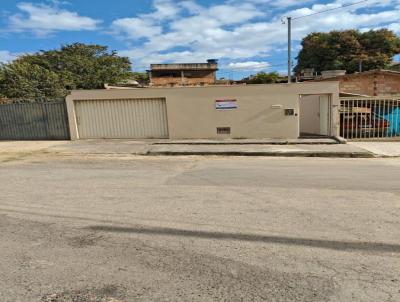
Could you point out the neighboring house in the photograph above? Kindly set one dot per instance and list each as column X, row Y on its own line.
column 307, row 74
column 191, row 74
column 369, row 83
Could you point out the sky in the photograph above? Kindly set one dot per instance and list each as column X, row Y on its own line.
column 246, row 36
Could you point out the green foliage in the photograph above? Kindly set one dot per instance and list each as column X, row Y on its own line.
column 141, row 77
column 345, row 50
column 83, row 66
column 262, row 78
column 75, row 66
column 21, row 80
column 395, row 67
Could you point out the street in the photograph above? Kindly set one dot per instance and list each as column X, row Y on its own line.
column 136, row 228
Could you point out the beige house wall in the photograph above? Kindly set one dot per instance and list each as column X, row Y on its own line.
column 192, row 113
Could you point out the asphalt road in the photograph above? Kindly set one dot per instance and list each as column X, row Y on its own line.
column 199, row 229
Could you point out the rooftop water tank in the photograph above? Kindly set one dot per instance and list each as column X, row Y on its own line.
column 212, row 61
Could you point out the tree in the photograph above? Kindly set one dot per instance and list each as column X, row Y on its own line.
column 74, row 66
column 141, row 77
column 262, row 78
column 395, row 67
column 83, row 66
column 21, row 80
column 348, row 49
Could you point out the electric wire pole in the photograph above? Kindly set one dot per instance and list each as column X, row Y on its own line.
column 289, row 23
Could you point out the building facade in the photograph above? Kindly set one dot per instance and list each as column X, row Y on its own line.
column 370, row 83
column 213, row 112
column 190, row 74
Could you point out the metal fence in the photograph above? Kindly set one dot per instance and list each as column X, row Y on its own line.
column 34, row 121
column 370, row 118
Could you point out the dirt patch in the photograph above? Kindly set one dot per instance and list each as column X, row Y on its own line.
column 108, row 293
column 83, row 241
column 10, row 157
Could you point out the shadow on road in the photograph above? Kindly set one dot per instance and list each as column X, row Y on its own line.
column 326, row 244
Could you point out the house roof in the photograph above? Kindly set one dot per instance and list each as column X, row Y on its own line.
column 357, row 74
column 184, row 66
column 343, row 94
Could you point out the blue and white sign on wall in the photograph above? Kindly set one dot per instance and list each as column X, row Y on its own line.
column 225, row 104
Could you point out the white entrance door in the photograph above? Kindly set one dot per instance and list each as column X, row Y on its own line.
column 324, row 114
column 122, row 118
column 315, row 115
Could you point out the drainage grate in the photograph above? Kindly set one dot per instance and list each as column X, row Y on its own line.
column 224, row 130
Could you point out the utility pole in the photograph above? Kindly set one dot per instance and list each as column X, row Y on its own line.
column 289, row 22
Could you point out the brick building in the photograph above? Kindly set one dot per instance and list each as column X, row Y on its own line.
column 370, row 83
column 191, row 74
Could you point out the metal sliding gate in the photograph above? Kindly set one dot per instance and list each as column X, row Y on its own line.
column 122, row 118
column 370, row 118
column 34, row 121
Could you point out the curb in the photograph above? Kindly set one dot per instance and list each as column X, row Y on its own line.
column 326, row 154
column 327, row 141
column 247, row 143
column 340, row 140
column 265, row 154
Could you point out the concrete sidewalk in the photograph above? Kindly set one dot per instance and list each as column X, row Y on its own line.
column 198, row 147
column 382, row 149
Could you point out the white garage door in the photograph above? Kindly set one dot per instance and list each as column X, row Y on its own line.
column 122, row 118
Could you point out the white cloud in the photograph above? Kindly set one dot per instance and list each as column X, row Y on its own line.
column 249, row 66
column 280, row 3
column 43, row 19
column 203, row 32
column 241, row 31
column 164, row 9
column 6, row 56
column 395, row 27
column 135, row 28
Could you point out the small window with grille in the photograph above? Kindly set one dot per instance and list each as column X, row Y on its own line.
column 224, row 130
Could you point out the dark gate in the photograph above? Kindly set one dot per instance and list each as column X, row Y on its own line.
column 34, row 121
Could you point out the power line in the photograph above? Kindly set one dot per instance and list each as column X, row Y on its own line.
column 331, row 9
column 291, row 19
column 289, row 22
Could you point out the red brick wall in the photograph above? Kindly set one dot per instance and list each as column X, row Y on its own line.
column 388, row 84
column 176, row 81
column 378, row 84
